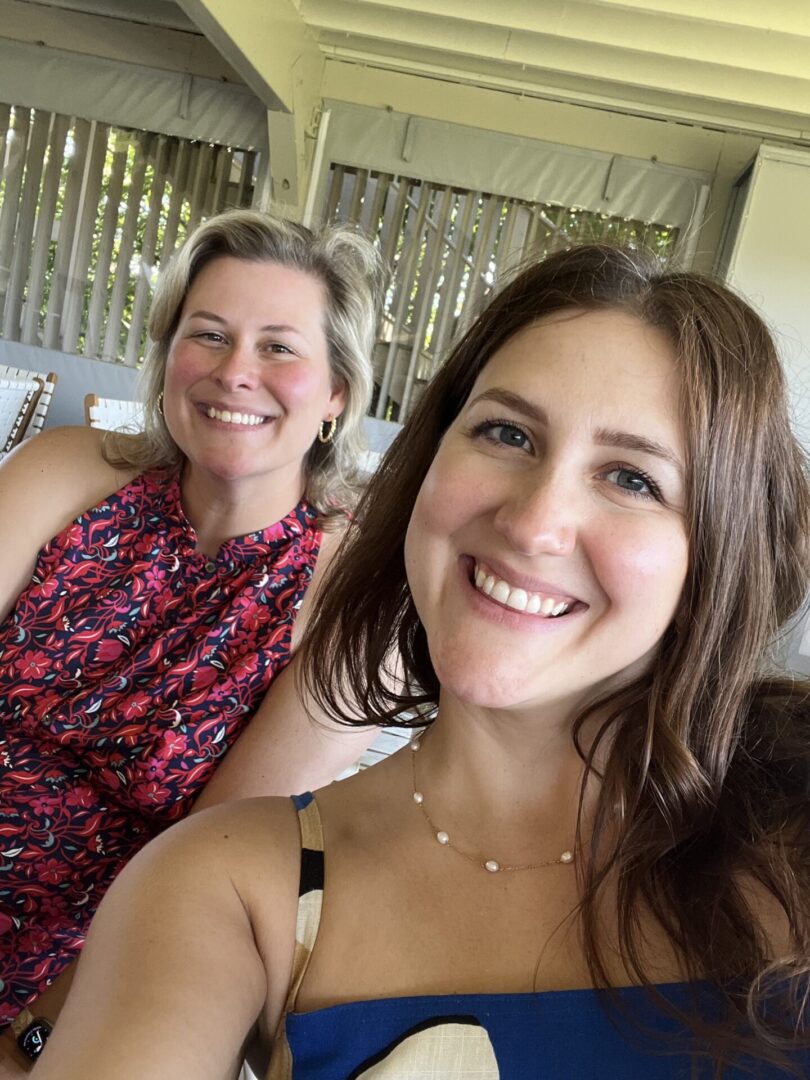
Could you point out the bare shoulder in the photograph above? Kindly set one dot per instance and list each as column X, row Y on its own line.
column 44, row 485
column 66, row 463
column 49, row 480
column 251, row 847
column 256, row 842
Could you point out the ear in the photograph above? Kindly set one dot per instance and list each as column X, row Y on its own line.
column 337, row 402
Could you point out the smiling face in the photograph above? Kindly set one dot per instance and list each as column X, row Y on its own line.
column 248, row 378
column 547, row 549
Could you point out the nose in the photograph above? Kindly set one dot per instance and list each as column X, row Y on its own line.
column 236, row 368
column 538, row 516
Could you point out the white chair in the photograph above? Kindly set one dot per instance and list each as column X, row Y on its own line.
column 37, row 420
column 379, row 435
column 113, row 414
column 18, row 401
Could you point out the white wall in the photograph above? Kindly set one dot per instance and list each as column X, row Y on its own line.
column 767, row 259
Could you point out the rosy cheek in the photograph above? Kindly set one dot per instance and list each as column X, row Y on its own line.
column 184, row 367
column 648, row 567
column 296, row 384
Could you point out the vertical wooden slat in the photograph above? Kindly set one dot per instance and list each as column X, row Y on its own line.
column 15, row 157
column 83, row 238
column 483, row 250
column 43, row 230
column 199, row 188
column 453, row 274
column 178, row 181
column 52, row 338
column 373, row 210
column 147, row 259
column 392, row 224
column 101, row 272
column 245, row 190
column 5, row 122
column 358, row 194
column 431, row 268
column 505, row 252
column 35, row 157
column 333, row 198
column 404, row 278
column 112, row 332
column 222, row 172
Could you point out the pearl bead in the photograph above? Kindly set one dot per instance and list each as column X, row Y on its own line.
column 414, row 745
column 418, row 797
column 443, row 838
column 567, row 857
column 492, row 865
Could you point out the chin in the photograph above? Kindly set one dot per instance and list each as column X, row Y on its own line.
column 485, row 685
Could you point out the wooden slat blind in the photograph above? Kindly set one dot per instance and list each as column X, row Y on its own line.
column 446, row 247
column 88, row 212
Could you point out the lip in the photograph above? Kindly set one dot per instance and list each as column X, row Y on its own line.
column 522, row 581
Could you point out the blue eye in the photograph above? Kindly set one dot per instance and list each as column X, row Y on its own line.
column 503, row 433
column 634, row 482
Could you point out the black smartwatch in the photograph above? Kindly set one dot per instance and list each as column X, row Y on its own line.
column 31, row 1033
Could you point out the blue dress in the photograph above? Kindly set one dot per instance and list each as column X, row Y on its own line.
column 554, row 1035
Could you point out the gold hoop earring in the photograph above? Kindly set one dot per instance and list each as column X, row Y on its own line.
column 330, row 434
column 160, row 403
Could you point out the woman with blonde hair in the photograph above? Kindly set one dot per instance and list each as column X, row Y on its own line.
column 155, row 585
column 594, row 858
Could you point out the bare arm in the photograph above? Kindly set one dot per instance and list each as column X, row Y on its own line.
column 289, row 746
column 44, row 484
column 173, row 977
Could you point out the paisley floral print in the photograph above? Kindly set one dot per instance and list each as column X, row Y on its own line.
column 128, row 667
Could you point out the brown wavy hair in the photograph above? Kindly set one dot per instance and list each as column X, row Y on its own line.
column 703, row 816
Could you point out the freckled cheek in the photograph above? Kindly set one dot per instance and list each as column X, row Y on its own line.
column 446, row 501
column 646, row 568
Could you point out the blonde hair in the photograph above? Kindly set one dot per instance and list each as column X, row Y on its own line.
column 352, row 274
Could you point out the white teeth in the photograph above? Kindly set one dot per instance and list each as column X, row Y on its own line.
column 516, row 598
column 228, row 417
column 500, row 592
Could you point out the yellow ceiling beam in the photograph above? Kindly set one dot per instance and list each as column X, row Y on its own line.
column 784, row 16
column 276, row 54
column 634, row 54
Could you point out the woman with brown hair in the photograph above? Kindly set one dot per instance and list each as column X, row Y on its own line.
column 593, row 859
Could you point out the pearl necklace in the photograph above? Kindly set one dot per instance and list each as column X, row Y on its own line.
column 491, row 865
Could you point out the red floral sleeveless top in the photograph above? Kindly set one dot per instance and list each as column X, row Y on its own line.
column 128, row 667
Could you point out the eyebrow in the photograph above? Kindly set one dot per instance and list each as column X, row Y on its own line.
column 623, row 440
column 276, row 328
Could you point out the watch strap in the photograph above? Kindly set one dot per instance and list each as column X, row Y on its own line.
column 30, row 1032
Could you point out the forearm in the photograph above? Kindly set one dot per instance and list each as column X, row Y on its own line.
column 284, row 751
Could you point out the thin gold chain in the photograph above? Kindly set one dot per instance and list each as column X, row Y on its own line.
column 490, row 865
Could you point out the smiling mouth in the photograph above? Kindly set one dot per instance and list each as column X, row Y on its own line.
column 226, row 416
column 544, row 605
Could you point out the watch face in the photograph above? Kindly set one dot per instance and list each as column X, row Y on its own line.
column 33, row 1039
